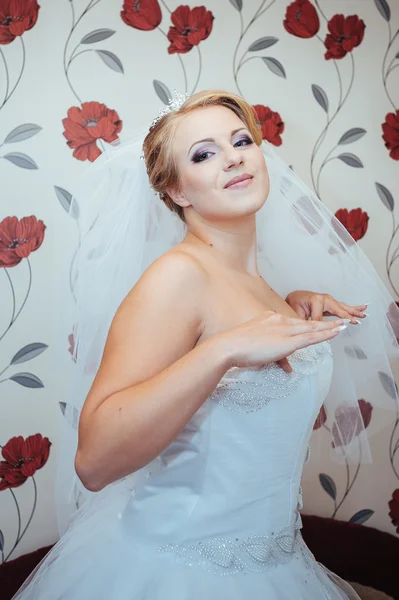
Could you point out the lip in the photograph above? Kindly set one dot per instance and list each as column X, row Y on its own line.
column 238, row 179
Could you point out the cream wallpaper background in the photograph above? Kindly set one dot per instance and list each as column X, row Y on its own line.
column 324, row 79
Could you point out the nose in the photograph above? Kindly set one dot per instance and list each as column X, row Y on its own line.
column 233, row 157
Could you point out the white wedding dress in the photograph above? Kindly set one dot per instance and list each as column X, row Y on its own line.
column 215, row 516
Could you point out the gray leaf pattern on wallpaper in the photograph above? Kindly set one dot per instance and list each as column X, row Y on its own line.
column 8, row 93
column 386, row 196
column 351, row 160
column 27, row 380
column 384, row 9
column 328, row 485
column 111, row 60
column 392, row 253
column 352, row 135
column 391, row 389
column 262, row 43
column 22, row 160
column 71, row 206
column 390, row 130
column 97, row 36
column 336, row 53
column 75, row 416
column 28, row 353
column 67, row 202
column 19, row 134
column 391, row 124
column 389, row 385
column 162, row 91
column 361, row 516
column 320, row 96
column 22, row 132
column 237, row 4
column 274, row 65
column 28, row 231
column 355, row 352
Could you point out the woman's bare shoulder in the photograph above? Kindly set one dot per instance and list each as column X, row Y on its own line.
column 175, row 269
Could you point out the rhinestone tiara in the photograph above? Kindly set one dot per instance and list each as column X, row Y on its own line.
column 174, row 104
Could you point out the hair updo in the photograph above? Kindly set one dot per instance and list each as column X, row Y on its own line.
column 158, row 144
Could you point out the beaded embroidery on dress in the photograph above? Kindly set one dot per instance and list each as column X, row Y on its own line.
column 216, row 515
column 236, row 391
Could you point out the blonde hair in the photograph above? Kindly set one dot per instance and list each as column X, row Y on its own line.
column 158, row 144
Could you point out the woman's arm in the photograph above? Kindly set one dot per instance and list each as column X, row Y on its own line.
column 151, row 379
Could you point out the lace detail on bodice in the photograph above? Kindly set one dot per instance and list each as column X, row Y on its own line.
column 224, row 556
column 240, row 391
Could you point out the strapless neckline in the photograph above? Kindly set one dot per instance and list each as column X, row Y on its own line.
column 303, row 361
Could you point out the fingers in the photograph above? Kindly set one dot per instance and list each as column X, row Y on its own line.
column 356, row 311
column 317, row 307
column 316, row 337
column 352, row 313
column 285, row 365
column 300, row 311
column 301, row 327
column 342, row 314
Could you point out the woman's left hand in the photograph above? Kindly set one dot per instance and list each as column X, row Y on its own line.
column 310, row 304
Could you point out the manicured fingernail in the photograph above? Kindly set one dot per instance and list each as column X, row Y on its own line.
column 340, row 328
column 366, row 314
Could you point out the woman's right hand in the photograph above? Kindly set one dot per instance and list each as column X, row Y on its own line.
column 271, row 337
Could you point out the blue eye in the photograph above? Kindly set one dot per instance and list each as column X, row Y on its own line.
column 247, row 140
column 200, row 157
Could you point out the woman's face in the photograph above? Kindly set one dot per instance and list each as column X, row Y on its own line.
column 213, row 148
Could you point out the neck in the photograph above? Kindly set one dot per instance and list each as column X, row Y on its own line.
column 234, row 244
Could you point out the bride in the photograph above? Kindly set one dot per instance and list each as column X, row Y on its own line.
column 204, row 388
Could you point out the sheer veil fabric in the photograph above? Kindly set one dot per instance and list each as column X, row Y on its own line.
column 301, row 245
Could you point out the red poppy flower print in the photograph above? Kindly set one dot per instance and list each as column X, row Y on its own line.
column 391, row 134
column 349, row 424
column 345, row 34
column 301, row 19
column 84, row 126
column 355, row 221
column 16, row 17
column 271, row 124
column 321, row 418
column 190, row 27
column 18, row 238
column 141, row 14
column 22, row 458
column 394, row 509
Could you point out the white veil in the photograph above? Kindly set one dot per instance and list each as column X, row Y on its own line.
column 301, row 245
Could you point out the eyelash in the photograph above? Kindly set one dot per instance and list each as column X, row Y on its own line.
column 197, row 157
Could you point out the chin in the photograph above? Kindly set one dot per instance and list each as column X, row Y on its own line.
column 249, row 206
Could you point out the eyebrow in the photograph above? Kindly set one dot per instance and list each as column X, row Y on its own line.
column 212, row 139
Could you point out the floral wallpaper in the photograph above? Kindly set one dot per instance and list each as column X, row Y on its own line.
column 322, row 76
